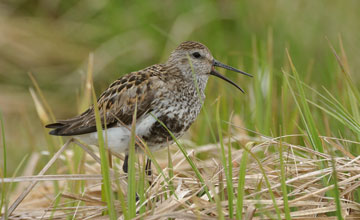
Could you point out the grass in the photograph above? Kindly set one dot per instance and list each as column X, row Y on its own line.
column 336, row 191
column 288, row 148
column 283, row 184
column 227, row 164
column 189, row 160
column 241, row 186
column 3, row 202
column 106, row 188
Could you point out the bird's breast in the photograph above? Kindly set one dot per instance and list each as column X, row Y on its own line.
column 177, row 110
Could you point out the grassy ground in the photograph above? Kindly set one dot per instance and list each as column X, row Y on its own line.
column 298, row 120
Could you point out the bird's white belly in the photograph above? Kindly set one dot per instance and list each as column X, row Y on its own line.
column 118, row 138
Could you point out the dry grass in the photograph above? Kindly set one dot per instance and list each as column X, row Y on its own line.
column 307, row 197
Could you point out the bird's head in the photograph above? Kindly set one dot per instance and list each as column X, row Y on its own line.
column 193, row 57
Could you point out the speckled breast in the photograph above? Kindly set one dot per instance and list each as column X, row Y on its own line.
column 177, row 111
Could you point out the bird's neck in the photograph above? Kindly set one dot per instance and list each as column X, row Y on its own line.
column 200, row 82
column 187, row 76
column 196, row 85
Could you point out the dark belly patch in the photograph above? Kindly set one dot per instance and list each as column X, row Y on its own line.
column 158, row 134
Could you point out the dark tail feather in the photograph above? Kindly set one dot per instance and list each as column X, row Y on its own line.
column 62, row 129
column 54, row 125
column 73, row 127
column 58, row 128
column 55, row 132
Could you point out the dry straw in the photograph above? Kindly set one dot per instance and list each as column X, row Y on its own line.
column 307, row 198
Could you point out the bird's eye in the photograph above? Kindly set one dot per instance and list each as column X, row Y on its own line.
column 196, row 55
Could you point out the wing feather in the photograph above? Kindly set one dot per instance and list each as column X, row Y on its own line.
column 117, row 104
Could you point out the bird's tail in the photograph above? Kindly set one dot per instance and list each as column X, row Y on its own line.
column 59, row 129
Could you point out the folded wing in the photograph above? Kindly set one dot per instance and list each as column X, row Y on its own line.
column 116, row 105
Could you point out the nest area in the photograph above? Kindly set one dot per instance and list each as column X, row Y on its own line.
column 308, row 197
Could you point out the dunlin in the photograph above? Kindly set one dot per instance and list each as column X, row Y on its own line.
column 172, row 92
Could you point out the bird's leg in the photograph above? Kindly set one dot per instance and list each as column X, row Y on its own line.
column 148, row 167
column 125, row 165
column 148, row 170
column 125, row 169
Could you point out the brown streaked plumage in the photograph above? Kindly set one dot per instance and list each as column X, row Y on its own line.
column 167, row 91
column 118, row 101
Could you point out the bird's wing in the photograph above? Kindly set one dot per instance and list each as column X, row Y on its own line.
column 117, row 103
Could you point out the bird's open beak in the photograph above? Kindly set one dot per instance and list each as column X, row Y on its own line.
column 217, row 74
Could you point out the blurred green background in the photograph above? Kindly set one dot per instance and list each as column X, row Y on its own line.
column 52, row 39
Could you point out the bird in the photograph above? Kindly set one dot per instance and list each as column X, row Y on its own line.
column 170, row 94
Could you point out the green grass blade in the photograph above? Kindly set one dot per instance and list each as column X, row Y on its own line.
column 219, row 210
column 241, row 186
column 142, row 184
column 283, row 183
column 305, row 112
column 341, row 109
column 120, row 194
column 4, row 185
column 131, row 171
column 333, row 107
column 170, row 168
column 349, row 80
column 338, row 115
column 104, row 160
column 231, row 194
column 336, row 188
column 306, row 116
column 227, row 171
